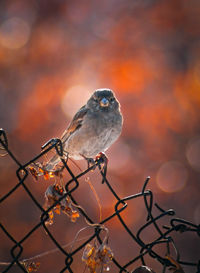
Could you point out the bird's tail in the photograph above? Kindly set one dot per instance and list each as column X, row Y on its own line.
column 52, row 162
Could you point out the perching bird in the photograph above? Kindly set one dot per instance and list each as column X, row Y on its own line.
column 94, row 128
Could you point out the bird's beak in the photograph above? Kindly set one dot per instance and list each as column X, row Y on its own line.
column 104, row 102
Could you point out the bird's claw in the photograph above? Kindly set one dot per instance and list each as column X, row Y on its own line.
column 91, row 163
column 103, row 157
column 103, row 165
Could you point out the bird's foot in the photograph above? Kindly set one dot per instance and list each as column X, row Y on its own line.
column 91, row 163
column 103, row 165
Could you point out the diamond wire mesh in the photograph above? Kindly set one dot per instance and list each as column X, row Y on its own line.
column 164, row 234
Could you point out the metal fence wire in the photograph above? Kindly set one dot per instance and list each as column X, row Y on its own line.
column 97, row 255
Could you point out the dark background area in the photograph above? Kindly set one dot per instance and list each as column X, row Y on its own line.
column 53, row 55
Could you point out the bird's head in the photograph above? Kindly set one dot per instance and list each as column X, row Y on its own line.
column 104, row 100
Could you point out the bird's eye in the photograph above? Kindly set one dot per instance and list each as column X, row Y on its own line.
column 112, row 99
column 95, row 98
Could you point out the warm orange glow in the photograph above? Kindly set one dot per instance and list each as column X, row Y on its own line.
column 74, row 99
column 14, row 33
column 130, row 75
column 172, row 176
column 34, row 108
column 53, row 55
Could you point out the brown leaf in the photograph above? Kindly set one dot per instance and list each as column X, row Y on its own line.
column 32, row 266
column 53, row 194
column 97, row 256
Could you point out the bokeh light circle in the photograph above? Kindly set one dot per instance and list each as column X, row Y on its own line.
column 75, row 97
column 172, row 176
column 14, row 33
column 193, row 153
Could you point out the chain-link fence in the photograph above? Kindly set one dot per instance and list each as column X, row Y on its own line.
column 97, row 255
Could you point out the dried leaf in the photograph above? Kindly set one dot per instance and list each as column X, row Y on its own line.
column 37, row 169
column 33, row 172
column 57, row 209
column 53, row 194
column 74, row 216
column 97, row 256
column 88, row 257
column 32, row 266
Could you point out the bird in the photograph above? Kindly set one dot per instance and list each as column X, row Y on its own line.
column 93, row 129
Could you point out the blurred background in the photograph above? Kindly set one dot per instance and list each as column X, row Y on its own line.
column 53, row 55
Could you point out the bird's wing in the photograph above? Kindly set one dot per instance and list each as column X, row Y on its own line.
column 75, row 124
